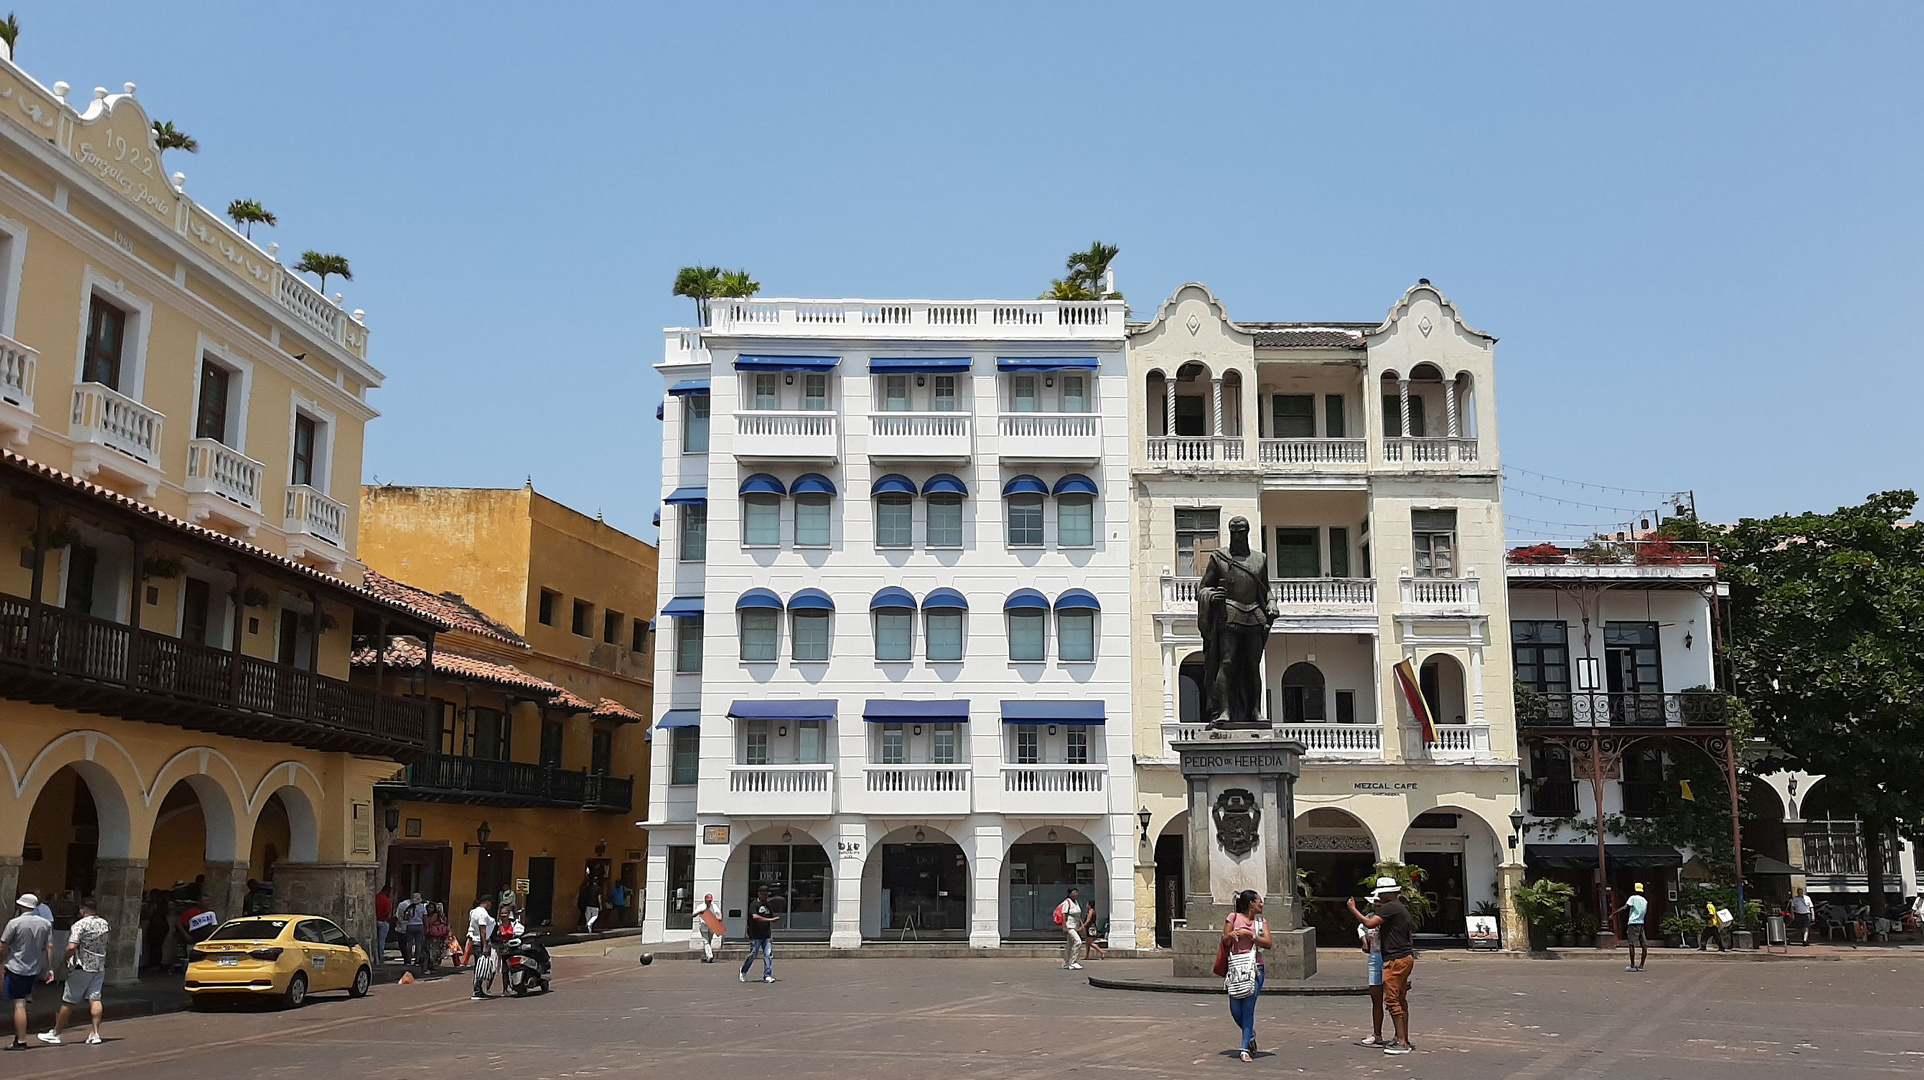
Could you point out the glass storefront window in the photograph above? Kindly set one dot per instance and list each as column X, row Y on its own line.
column 681, row 888
column 797, row 879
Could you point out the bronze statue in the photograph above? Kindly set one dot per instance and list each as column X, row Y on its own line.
column 1233, row 614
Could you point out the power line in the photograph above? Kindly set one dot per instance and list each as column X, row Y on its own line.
column 1586, row 484
column 1606, row 526
column 1573, row 502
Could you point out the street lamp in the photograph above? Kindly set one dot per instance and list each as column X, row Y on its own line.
column 481, row 834
column 1516, row 828
column 1143, row 816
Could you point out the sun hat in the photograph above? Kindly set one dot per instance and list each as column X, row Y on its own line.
column 1639, row 886
column 27, row 900
column 1387, row 885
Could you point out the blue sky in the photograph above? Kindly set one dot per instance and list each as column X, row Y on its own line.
column 1696, row 228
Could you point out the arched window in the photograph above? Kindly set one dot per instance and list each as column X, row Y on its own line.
column 893, row 610
column 945, row 611
column 1028, row 614
column 758, row 614
column 894, row 496
column 762, row 510
column 810, row 611
column 943, row 493
column 1075, row 497
column 1155, row 403
column 1303, row 697
column 814, row 494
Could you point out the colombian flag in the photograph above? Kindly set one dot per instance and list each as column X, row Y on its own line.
column 1413, row 694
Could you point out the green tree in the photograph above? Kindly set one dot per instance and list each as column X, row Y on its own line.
column 248, row 213
column 313, row 262
column 735, row 284
column 700, row 284
column 10, row 32
column 1087, row 271
column 169, row 137
column 1825, row 614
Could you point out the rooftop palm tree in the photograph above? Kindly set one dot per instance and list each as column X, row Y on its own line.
column 1092, row 266
column 248, row 213
column 1071, row 289
column 737, row 283
column 169, row 137
column 313, row 262
column 10, row 31
column 700, row 284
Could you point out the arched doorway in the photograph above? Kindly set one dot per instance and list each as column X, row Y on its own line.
column 1232, row 403
column 1156, row 403
column 1335, row 852
column 1172, row 884
column 76, row 842
column 1441, row 678
column 1189, row 690
column 1303, row 695
column 798, row 874
column 1195, row 401
column 1041, row 867
column 1456, row 851
column 915, row 887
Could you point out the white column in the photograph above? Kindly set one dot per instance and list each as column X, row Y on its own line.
column 985, row 884
column 1476, row 686
column 1403, row 404
column 1449, row 404
column 850, row 854
column 1169, row 406
column 654, row 902
column 1122, row 877
column 1168, row 676
column 1216, row 403
column 710, row 862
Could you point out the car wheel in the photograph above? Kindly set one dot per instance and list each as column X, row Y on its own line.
column 296, row 994
column 362, row 980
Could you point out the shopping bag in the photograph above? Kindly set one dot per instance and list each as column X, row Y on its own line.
column 1241, row 980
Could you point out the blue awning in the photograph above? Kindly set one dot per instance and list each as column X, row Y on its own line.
column 810, row 600
column 1025, row 599
column 783, row 710
column 1025, row 485
column 758, row 598
column 675, row 718
column 1045, row 363
column 1075, row 484
column 1077, row 599
column 813, row 483
column 944, row 484
column 945, row 599
column 1053, row 712
column 892, row 484
column 683, row 607
column 763, row 484
column 891, row 711
column 687, row 495
column 899, row 365
column 787, row 363
column 891, row 596
column 689, row 386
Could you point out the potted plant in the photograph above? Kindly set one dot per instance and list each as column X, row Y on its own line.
column 1541, row 904
column 1677, row 930
column 1537, row 554
column 1586, row 925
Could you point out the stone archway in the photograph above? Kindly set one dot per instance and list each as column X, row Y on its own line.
column 916, row 886
column 1171, row 882
column 1335, row 852
column 1459, row 854
column 76, row 842
column 797, row 870
column 1040, row 868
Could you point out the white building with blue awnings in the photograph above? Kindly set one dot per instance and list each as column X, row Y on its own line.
column 893, row 673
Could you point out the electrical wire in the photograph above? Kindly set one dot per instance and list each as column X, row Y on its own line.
column 1572, row 502
column 1599, row 487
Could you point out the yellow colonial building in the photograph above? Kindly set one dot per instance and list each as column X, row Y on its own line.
column 540, row 691
column 181, row 417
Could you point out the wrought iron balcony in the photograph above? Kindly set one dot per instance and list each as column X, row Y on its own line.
column 69, row 660
column 1694, row 708
column 457, row 778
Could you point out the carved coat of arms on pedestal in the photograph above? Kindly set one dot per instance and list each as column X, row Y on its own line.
column 1237, row 817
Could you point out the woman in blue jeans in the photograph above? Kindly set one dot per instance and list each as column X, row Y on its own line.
column 1244, row 931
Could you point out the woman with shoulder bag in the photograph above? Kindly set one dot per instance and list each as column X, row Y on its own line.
column 1245, row 936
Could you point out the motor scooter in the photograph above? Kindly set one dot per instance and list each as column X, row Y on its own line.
column 526, row 966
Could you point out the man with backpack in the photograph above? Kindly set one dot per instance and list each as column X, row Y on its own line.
column 1069, row 917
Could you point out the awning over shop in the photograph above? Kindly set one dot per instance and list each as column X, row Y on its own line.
column 902, row 365
column 1053, row 712
column 786, row 363
column 1045, row 363
column 689, row 386
column 891, row 711
column 1584, row 857
column 687, row 495
column 783, row 710
column 683, row 607
column 1769, row 867
column 675, row 718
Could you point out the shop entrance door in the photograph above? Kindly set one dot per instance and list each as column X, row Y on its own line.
column 421, row 868
column 797, row 879
column 493, row 871
column 925, row 890
column 1040, row 876
column 1169, row 891
column 540, row 899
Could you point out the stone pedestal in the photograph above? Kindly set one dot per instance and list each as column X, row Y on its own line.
column 341, row 892
column 118, row 886
column 1242, row 835
column 226, row 888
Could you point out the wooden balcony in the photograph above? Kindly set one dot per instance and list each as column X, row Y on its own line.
column 480, row 781
column 52, row 656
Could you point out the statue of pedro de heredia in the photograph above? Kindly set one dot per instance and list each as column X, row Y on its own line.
column 1233, row 615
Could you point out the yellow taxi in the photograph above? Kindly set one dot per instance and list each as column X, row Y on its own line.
column 284, row 956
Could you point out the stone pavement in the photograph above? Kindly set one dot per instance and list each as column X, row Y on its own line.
column 1477, row 1018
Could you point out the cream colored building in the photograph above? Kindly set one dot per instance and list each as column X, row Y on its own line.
column 181, row 418
column 1364, row 456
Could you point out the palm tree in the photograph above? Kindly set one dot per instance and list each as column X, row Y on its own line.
column 313, row 262
column 699, row 283
column 169, row 137
column 1060, row 289
column 248, row 213
column 737, row 283
column 1092, row 266
column 10, row 31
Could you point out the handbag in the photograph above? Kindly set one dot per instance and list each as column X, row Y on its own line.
column 1240, row 982
column 1222, row 959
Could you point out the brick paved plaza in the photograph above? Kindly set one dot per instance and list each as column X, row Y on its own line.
column 1481, row 1018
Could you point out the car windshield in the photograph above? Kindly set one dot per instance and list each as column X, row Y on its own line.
column 250, row 930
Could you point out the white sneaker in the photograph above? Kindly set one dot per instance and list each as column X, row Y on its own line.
column 1075, row 967
column 93, row 1040
column 768, row 978
column 742, row 975
column 49, row 1038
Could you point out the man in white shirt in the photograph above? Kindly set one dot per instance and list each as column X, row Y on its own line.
column 27, row 947
column 1069, row 917
column 481, row 946
column 86, row 971
column 1800, row 913
column 1637, row 907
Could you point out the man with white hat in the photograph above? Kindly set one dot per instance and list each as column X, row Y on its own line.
column 27, row 946
column 1392, row 922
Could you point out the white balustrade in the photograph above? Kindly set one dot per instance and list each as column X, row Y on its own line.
column 18, row 365
column 114, row 420
column 311, row 513
column 1037, row 319
column 1195, row 449
column 780, row 789
column 1419, row 592
column 807, row 434
column 1461, row 740
column 1349, row 741
column 1050, row 436
column 1323, row 592
column 1429, row 451
column 1063, row 789
column 217, row 469
column 922, row 789
column 1313, row 452
column 920, row 435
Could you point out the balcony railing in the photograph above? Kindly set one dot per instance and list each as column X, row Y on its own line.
column 920, row 319
column 1602, row 553
column 780, row 789
column 920, row 435
column 810, row 434
column 110, row 418
column 921, row 789
column 72, row 660
column 1460, row 740
column 1429, row 451
column 217, row 469
column 1195, row 449
column 1288, row 595
column 1336, row 741
column 1050, row 436
column 450, row 777
column 1055, row 789
column 1836, row 849
column 18, row 366
column 1423, row 592
column 1697, row 708
column 1292, row 452
column 316, row 515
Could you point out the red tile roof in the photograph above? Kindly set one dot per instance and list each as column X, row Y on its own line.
column 14, row 461
column 451, row 608
column 405, row 653
column 615, row 710
column 1309, row 335
column 569, row 700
